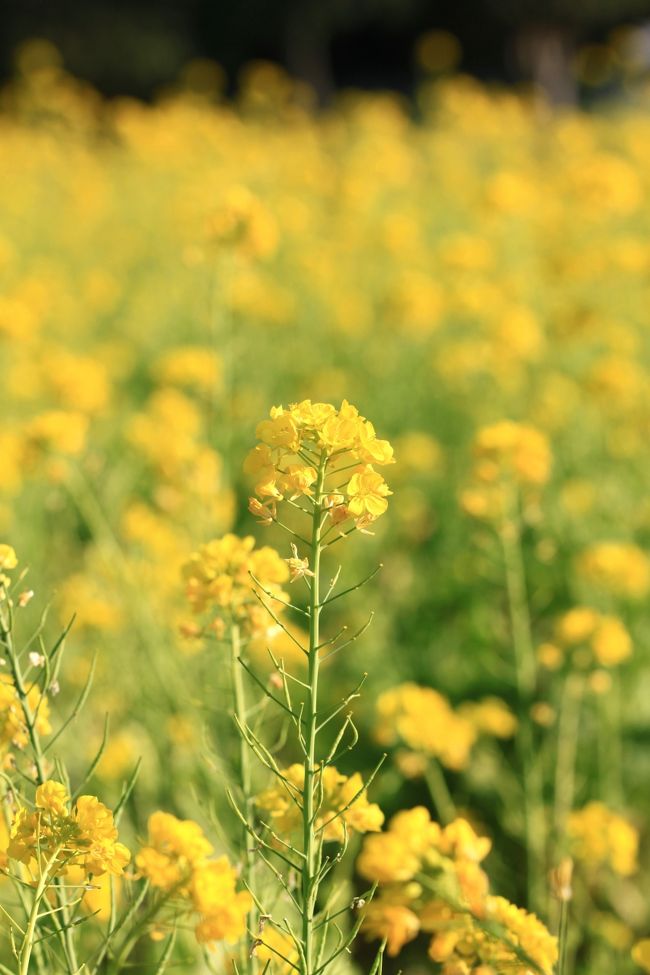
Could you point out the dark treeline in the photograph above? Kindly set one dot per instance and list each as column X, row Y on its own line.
column 136, row 46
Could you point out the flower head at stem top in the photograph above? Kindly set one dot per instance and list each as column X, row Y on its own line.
column 297, row 442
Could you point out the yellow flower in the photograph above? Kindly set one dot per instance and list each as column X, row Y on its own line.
column 52, row 797
column 344, row 804
column 175, row 846
column 297, row 479
column 600, row 837
column 310, row 437
column 277, row 950
column 611, row 643
column 280, row 431
column 394, row 922
column 221, row 907
column 425, row 721
column 577, row 625
column 189, row 365
column 59, row 430
column 515, row 448
column 13, row 724
column 84, row 835
column 491, row 716
column 641, row 954
column 367, row 492
column 617, row 567
column 221, row 577
column 8, row 558
column 176, row 860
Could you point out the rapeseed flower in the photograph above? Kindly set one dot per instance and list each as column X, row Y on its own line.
column 343, row 806
column 80, row 834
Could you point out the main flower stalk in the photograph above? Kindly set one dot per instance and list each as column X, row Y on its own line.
column 310, row 843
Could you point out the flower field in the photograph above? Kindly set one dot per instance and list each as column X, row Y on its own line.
column 202, row 300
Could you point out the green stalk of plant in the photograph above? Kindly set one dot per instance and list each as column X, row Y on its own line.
column 439, row 790
column 63, row 926
column 526, row 676
column 27, row 947
column 309, row 886
column 568, row 731
column 245, row 783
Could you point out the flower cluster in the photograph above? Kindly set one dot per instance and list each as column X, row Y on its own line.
column 307, row 437
column 13, row 723
column 600, row 837
column 584, row 636
column 430, row 881
column 619, row 568
column 507, row 455
column 225, row 574
column 425, row 721
column 343, row 804
column 8, row 559
column 59, row 834
column 176, row 860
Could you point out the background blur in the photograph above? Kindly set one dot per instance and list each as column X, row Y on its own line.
column 439, row 212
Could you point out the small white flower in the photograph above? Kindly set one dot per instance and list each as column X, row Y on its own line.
column 36, row 659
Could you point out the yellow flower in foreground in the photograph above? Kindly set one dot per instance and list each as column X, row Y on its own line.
column 367, row 492
column 307, row 437
column 82, row 835
column 430, row 880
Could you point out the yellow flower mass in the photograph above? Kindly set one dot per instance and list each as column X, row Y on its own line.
column 601, row 838
column 224, row 575
column 430, row 881
column 297, row 440
column 80, row 834
column 177, row 860
column 344, row 805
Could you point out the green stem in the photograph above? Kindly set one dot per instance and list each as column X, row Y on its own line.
column 30, row 930
column 567, row 749
column 121, row 957
column 526, row 677
column 563, row 936
column 247, row 794
column 439, row 791
column 309, row 887
column 610, row 752
column 63, row 926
